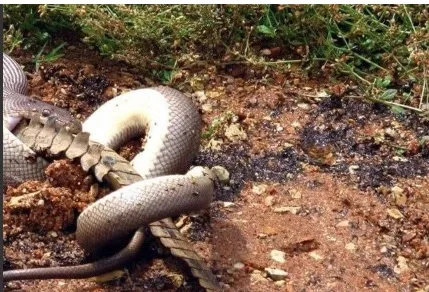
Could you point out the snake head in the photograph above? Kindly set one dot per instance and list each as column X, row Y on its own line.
column 59, row 117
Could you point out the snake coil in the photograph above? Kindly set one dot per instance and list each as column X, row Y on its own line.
column 149, row 190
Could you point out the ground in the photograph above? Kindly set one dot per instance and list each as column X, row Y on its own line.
column 332, row 191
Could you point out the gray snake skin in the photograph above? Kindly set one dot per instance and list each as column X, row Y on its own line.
column 157, row 186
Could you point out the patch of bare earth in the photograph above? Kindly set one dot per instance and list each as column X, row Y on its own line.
column 323, row 194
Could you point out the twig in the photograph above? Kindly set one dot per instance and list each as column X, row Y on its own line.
column 423, row 89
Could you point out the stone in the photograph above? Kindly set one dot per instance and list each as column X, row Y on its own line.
column 395, row 213
column 238, row 266
column 207, row 108
column 221, row 173
column 235, row 133
column 259, row 189
column 278, row 255
column 256, row 276
column 269, row 201
column 316, row 256
column 276, row 274
column 350, row 246
column 294, row 210
column 228, row 204
column 344, row 223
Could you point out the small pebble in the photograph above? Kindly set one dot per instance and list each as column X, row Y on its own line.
column 256, row 276
column 235, row 133
column 228, row 204
column 269, row 201
column 353, row 168
column 276, row 274
column 296, row 125
column 259, row 189
column 350, row 246
column 207, row 108
column 304, row 106
column 238, row 266
column 201, row 96
column 395, row 213
column 295, row 194
column 402, row 265
column 344, row 223
column 315, row 256
column 293, row 210
column 253, row 101
column 221, row 173
column 278, row 255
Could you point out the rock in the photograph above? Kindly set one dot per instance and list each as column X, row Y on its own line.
column 201, row 96
column 395, row 213
column 262, row 235
column 228, row 204
column 353, row 168
column 221, row 173
column 269, row 201
column 265, row 52
column 25, row 201
column 296, row 125
column 344, row 223
column 213, row 94
column 207, row 108
column 397, row 190
column 390, row 132
column 350, row 246
column 259, row 189
column 280, row 283
column 253, row 101
column 256, row 276
column 235, row 133
column 408, row 236
column 293, row 210
column 399, row 158
column 277, row 255
column 316, row 256
column 399, row 195
column 276, row 274
column 238, row 266
column 295, row 194
column 304, row 106
column 279, row 128
column 214, row 144
column 402, row 265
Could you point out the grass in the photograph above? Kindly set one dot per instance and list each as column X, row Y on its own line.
column 382, row 48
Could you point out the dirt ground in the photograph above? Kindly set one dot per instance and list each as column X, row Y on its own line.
column 331, row 193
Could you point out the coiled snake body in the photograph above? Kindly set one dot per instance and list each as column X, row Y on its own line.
column 153, row 189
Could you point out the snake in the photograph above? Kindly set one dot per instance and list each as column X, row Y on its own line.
column 162, row 184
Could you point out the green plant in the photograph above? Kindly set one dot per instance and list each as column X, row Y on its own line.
column 51, row 56
column 380, row 47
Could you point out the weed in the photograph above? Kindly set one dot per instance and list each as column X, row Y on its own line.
column 380, row 47
column 52, row 56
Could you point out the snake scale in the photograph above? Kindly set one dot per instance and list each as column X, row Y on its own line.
column 152, row 188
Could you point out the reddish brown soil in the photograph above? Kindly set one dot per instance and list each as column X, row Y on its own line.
column 356, row 175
